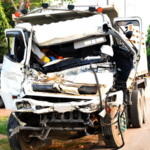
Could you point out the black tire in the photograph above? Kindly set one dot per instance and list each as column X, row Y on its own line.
column 142, row 91
column 127, row 117
column 1, row 103
column 136, row 109
column 111, row 133
column 19, row 141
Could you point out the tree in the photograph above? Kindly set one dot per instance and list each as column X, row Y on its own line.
column 22, row 5
column 4, row 24
column 8, row 10
column 148, row 47
column 68, row 1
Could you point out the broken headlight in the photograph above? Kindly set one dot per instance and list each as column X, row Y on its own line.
column 90, row 107
column 23, row 105
column 93, row 106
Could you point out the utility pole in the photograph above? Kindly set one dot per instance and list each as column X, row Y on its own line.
column 62, row 2
column 124, row 8
column 108, row 2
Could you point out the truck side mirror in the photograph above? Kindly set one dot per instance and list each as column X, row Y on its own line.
column 129, row 31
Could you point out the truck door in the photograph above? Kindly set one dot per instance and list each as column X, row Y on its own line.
column 137, row 29
column 12, row 74
column 138, row 39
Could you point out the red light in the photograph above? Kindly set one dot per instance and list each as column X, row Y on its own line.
column 60, row 57
column 99, row 9
column 108, row 109
column 17, row 14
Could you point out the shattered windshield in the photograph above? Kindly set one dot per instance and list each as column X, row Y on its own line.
column 120, row 26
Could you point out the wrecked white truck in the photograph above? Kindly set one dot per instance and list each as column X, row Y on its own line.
column 69, row 73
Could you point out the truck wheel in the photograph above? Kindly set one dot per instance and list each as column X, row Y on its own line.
column 144, row 104
column 127, row 117
column 136, row 109
column 1, row 103
column 21, row 140
column 111, row 133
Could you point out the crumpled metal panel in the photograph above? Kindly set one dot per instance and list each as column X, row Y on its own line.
column 11, row 76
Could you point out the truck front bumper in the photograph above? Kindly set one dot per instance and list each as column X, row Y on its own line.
column 86, row 106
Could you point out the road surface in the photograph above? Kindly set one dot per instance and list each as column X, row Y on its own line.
column 136, row 138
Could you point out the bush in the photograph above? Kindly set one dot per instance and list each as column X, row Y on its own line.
column 4, row 24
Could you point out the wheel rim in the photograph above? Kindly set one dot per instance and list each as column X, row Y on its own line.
column 25, row 137
column 115, row 127
column 27, row 142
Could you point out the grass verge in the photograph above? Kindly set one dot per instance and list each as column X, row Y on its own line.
column 4, row 144
column 3, row 125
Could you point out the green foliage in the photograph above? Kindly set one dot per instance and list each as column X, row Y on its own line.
column 36, row 3
column 148, row 47
column 148, row 42
column 4, row 144
column 8, row 10
column 67, row 1
column 4, row 24
column 3, row 125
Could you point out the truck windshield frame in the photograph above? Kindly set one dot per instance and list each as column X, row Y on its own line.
column 14, row 34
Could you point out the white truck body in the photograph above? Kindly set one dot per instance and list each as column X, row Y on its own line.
column 97, row 73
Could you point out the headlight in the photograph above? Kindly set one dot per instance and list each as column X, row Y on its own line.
column 23, row 105
column 93, row 106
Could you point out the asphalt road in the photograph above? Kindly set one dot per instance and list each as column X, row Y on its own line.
column 136, row 138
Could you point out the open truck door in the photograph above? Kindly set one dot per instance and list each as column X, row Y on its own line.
column 137, row 40
column 137, row 108
column 135, row 24
column 12, row 74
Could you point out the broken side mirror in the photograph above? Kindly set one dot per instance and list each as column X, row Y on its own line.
column 129, row 30
column 107, row 50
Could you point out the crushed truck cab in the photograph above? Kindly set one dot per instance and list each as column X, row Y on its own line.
column 70, row 73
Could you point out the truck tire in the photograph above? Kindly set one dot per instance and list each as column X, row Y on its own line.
column 21, row 140
column 136, row 109
column 1, row 103
column 111, row 134
column 142, row 91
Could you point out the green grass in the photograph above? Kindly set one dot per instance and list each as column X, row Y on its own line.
column 3, row 125
column 4, row 144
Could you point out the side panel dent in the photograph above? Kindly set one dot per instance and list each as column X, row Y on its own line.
column 11, row 77
column 7, row 97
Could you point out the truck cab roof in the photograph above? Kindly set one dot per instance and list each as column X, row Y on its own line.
column 49, row 15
